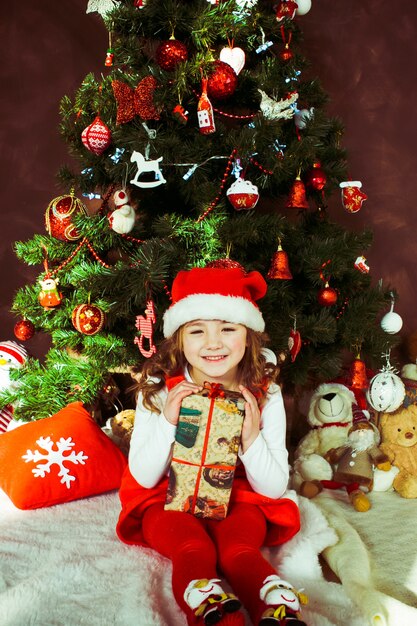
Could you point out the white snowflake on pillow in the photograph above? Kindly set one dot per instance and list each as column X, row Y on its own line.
column 55, row 457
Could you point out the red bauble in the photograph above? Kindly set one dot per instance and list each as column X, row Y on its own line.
column 59, row 216
column 170, row 53
column 327, row 296
column 226, row 263
column 222, row 81
column 286, row 54
column 24, row 330
column 88, row 319
column 96, row 137
column 316, row 178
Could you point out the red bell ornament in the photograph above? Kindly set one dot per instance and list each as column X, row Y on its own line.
column 280, row 267
column 327, row 296
column 297, row 197
column 316, row 178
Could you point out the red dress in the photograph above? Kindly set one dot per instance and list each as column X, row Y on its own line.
column 282, row 514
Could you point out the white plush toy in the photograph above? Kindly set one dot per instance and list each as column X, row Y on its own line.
column 330, row 416
column 122, row 219
column 12, row 355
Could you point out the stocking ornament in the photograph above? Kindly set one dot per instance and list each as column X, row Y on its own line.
column 144, row 324
column 352, row 196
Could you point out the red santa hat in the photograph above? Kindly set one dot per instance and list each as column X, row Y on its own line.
column 213, row 293
column 14, row 350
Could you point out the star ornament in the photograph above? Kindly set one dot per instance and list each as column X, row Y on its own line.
column 286, row 9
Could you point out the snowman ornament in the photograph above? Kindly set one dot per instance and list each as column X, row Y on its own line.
column 12, row 355
column 282, row 599
column 122, row 219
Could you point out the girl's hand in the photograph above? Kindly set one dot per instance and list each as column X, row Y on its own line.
column 252, row 422
column 175, row 397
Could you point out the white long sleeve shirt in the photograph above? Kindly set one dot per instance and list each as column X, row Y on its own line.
column 265, row 461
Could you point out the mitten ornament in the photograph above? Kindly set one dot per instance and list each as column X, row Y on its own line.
column 352, row 196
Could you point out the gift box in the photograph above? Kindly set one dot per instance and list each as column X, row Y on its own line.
column 205, row 452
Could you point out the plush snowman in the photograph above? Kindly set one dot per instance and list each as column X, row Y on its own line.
column 284, row 601
column 122, row 219
column 12, row 355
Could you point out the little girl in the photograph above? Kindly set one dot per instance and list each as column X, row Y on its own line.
column 214, row 332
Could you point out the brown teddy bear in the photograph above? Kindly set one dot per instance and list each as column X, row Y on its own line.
column 122, row 427
column 399, row 443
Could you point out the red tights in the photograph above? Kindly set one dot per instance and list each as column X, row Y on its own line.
column 196, row 547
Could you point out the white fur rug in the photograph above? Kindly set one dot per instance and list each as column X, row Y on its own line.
column 64, row 566
column 376, row 555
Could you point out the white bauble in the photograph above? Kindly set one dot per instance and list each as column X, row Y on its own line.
column 391, row 323
column 303, row 7
column 386, row 391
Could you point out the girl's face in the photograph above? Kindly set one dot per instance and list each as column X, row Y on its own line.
column 214, row 350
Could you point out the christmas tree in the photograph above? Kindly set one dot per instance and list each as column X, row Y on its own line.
column 205, row 140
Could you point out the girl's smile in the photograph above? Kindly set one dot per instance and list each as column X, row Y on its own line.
column 214, row 349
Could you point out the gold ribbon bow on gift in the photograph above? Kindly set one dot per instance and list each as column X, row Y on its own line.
column 138, row 101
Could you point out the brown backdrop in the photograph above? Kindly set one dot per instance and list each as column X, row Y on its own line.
column 363, row 53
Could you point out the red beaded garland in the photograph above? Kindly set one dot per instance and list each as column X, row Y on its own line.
column 222, row 184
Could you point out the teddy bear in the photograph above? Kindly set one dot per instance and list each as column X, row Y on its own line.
column 330, row 417
column 399, row 443
column 121, row 428
column 354, row 463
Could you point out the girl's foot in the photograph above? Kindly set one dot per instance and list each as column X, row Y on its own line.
column 283, row 602
column 211, row 603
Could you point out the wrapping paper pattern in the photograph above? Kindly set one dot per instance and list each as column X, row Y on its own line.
column 205, row 453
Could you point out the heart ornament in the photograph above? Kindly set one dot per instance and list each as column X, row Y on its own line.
column 235, row 57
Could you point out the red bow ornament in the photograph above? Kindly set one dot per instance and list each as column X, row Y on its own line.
column 138, row 101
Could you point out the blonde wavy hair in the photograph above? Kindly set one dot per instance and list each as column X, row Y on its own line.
column 254, row 372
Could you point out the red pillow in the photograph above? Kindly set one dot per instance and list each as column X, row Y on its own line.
column 58, row 459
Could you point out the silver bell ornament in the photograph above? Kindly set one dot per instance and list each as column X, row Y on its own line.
column 386, row 390
column 391, row 322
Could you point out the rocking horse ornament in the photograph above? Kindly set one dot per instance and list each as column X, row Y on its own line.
column 146, row 166
column 144, row 324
